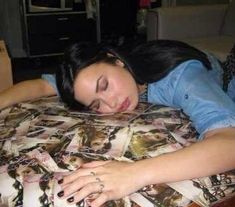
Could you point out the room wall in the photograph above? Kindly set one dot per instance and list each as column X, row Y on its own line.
column 191, row 2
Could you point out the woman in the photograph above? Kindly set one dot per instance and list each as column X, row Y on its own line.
column 175, row 75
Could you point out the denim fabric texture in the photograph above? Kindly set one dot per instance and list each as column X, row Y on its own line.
column 191, row 87
column 52, row 80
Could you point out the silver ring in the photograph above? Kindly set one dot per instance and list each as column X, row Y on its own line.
column 98, row 179
column 101, row 188
column 92, row 173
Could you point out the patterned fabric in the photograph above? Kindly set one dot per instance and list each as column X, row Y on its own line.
column 41, row 140
column 229, row 68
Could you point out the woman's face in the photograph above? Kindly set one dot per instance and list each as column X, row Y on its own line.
column 73, row 161
column 106, row 88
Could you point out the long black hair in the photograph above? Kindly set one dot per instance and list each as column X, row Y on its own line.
column 77, row 57
column 154, row 60
column 147, row 62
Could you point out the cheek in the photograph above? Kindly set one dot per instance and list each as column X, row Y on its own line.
column 119, row 86
column 105, row 109
column 134, row 104
column 128, row 85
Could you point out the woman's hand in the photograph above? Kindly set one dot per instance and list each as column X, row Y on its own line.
column 109, row 180
column 102, row 181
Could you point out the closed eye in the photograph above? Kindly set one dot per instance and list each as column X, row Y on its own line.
column 103, row 84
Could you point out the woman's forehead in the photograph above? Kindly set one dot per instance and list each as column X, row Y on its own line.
column 95, row 70
column 95, row 67
column 85, row 83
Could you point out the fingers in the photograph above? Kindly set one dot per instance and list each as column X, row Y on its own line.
column 92, row 192
column 95, row 183
column 89, row 189
column 77, row 184
column 80, row 173
column 100, row 200
column 76, row 187
column 84, row 171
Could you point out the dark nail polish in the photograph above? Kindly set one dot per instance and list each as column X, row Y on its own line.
column 60, row 181
column 80, row 203
column 71, row 199
column 60, row 194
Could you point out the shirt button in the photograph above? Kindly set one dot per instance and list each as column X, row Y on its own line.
column 186, row 96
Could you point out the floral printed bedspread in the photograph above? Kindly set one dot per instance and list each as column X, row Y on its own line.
column 42, row 140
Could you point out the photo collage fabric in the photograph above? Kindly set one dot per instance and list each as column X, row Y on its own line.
column 42, row 140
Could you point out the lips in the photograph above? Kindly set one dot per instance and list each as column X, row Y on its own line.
column 125, row 105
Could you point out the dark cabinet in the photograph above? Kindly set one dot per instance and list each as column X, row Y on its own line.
column 28, row 32
column 50, row 24
column 52, row 33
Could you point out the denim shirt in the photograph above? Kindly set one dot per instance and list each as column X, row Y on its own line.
column 51, row 80
column 198, row 92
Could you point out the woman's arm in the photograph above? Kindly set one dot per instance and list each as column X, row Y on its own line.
column 25, row 90
column 214, row 154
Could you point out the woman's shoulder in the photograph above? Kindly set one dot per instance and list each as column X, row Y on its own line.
column 51, row 79
column 163, row 91
column 187, row 71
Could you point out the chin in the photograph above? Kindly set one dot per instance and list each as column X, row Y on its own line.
column 133, row 106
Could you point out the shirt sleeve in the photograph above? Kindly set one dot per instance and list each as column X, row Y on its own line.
column 51, row 80
column 203, row 99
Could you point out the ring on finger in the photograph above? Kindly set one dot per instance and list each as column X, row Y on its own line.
column 98, row 179
column 101, row 188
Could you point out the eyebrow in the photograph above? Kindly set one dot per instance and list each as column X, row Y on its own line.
column 98, row 83
column 96, row 89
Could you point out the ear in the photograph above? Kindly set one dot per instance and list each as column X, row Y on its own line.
column 110, row 54
column 119, row 63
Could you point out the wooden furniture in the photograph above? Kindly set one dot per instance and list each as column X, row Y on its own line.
column 49, row 33
column 29, row 34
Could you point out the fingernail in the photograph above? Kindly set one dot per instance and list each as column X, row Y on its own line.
column 60, row 181
column 60, row 194
column 79, row 203
column 71, row 199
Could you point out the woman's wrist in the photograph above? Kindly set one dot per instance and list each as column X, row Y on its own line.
column 145, row 172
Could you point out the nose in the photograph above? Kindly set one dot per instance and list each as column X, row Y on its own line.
column 110, row 101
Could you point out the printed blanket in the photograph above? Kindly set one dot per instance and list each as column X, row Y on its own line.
column 42, row 140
